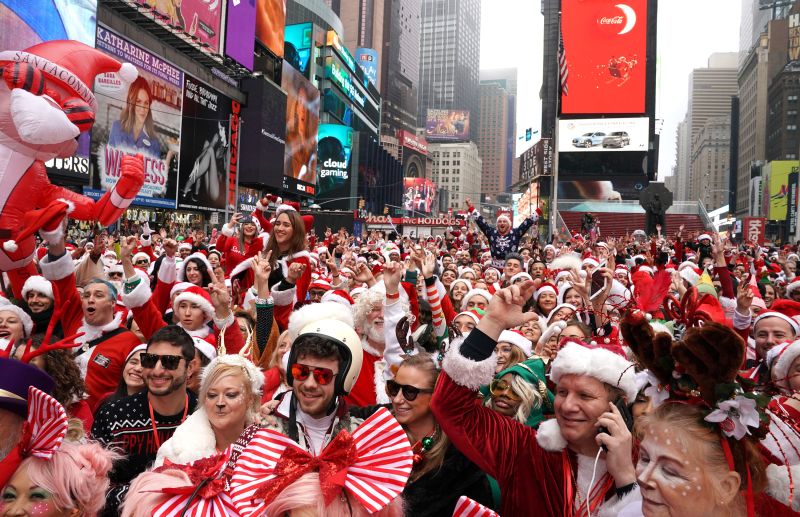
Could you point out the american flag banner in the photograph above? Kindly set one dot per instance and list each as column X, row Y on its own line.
column 375, row 474
column 563, row 67
column 466, row 507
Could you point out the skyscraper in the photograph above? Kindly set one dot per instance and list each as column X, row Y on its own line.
column 495, row 138
column 449, row 58
column 392, row 29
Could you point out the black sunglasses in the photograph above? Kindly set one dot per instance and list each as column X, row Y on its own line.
column 168, row 362
column 409, row 392
column 143, row 261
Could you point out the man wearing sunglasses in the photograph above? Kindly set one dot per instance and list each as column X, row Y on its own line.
column 324, row 363
column 140, row 423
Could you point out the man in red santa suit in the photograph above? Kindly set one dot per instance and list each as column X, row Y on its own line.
column 102, row 350
column 45, row 103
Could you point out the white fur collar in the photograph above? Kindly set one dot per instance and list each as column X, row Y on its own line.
column 368, row 349
column 202, row 332
column 549, row 436
column 193, row 440
column 91, row 332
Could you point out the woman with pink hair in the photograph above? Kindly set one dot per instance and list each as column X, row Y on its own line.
column 73, row 482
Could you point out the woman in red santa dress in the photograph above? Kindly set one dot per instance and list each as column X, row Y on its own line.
column 559, row 469
column 237, row 248
column 782, row 444
column 194, row 308
column 195, row 269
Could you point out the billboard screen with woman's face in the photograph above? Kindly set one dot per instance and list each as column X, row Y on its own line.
column 302, row 121
column 143, row 117
column 270, row 22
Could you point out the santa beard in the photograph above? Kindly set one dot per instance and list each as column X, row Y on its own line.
column 374, row 334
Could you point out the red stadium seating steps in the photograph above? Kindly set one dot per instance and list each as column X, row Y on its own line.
column 618, row 224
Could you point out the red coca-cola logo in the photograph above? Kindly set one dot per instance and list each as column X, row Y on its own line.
column 612, row 20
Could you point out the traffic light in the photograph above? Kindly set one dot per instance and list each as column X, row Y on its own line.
column 361, row 203
column 385, row 210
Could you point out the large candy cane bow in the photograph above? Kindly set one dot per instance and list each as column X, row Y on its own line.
column 373, row 464
column 42, row 432
column 205, row 495
column 466, row 507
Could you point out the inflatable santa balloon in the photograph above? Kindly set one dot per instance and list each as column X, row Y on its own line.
column 46, row 101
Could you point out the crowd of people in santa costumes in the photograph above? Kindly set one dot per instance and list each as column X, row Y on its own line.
column 262, row 370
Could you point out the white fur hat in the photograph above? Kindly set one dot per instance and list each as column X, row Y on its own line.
column 605, row 363
column 780, row 359
column 516, row 338
column 248, row 368
column 27, row 322
column 39, row 284
column 473, row 292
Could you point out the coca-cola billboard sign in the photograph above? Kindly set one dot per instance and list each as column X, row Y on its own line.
column 753, row 229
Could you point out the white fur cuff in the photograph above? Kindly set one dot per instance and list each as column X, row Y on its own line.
column 778, row 484
column 58, row 269
column 261, row 206
column 138, row 297
column 222, row 324
column 466, row 372
column 613, row 507
column 283, row 298
column 227, row 230
column 167, row 273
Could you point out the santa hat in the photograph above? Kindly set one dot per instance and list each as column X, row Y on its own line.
column 321, row 250
column 793, row 286
column 554, row 328
column 551, row 248
column 178, row 287
column 516, row 338
column 320, row 283
column 197, row 256
column 758, row 301
column 72, row 64
column 116, row 268
column 689, row 272
column 198, row 296
column 780, row 359
column 27, row 322
column 39, row 284
column 206, row 348
column 602, row 361
column 522, row 275
column 338, row 296
column 356, row 291
column 138, row 348
column 590, row 261
column 472, row 292
column 703, row 236
column 464, row 281
column 294, row 206
column 142, row 256
column 47, row 221
column 184, row 246
column 775, row 314
column 561, row 306
column 504, row 215
column 475, row 313
column 546, row 287
column 562, row 277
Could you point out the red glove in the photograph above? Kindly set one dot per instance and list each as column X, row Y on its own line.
column 113, row 203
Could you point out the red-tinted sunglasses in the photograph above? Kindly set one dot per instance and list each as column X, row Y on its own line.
column 322, row 376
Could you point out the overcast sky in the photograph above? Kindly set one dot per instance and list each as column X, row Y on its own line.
column 688, row 32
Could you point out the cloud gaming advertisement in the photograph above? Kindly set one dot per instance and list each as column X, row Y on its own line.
column 605, row 43
column 334, row 151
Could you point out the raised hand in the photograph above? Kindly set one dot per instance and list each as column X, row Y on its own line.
column 392, row 273
column 428, row 265
column 505, row 309
column 220, row 297
column 262, row 270
column 295, row 272
column 170, row 247
column 127, row 245
column 363, row 274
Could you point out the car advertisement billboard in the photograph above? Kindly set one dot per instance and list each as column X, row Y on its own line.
column 205, row 144
column 240, row 32
column 419, row 195
column 367, row 58
column 334, row 153
column 199, row 19
column 270, row 23
column 447, row 125
column 779, row 172
column 27, row 23
column 298, row 45
column 302, row 122
column 143, row 117
column 603, row 134
column 605, row 47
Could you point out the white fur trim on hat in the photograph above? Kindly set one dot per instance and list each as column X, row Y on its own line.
column 689, row 274
column 138, row 348
column 184, row 246
column 357, row 291
column 27, row 322
column 466, row 372
column 546, row 288
column 464, row 281
column 334, row 296
column 248, row 368
column 779, row 484
column 590, row 261
column 703, row 236
column 555, row 328
column 562, row 306
column 204, row 304
column 473, row 292
column 516, row 277
column 774, row 314
column 598, row 363
column 39, row 284
column 503, row 216
column 205, row 348
column 179, row 287
column 780, row 359
column 567, row 261
column 139, row 256
column 312, row 312
column 197, row 256
column 792, row 287
column 518, row 340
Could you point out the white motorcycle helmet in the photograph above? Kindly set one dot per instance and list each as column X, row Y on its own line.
column 349, row 344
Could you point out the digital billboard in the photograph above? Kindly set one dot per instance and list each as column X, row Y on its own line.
column 779, row 187
column 419, row 195
column 270, row 23
column 605, row 45
column 302, row 121
column 447, row 125
column 205, row 145
column 263, row 134
column 610, row 190
column 240, row 31
column 367, row 59
column 606, row 134
column 197, row 18
column 298, row 44
column 143, row 117
column 334, row 153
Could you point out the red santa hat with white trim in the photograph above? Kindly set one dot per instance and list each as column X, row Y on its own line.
column 518, row 339
column 546, row 287
column 27, row 322
column 294, row 206
column 198, row 296
column 38, row 284
column 605, row 362
column 338, row 296
column 689, row 271
column 780, row 359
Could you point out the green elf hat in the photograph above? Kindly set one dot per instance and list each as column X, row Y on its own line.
column 531, row 371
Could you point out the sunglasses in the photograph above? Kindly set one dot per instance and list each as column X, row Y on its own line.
column 322, row 376
column 168, row 362
column 410, row 393
column 500, row 387
column 142, row 261
column 112, row 275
